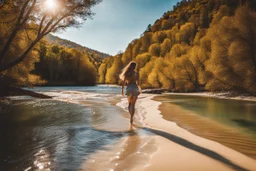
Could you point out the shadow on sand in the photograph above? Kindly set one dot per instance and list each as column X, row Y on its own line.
column 186, row 144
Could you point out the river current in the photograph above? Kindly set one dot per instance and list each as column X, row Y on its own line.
column 62, row 133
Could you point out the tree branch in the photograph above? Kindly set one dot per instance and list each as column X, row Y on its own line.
column 41, row 25
column 28, row 13
column 21, row 58
column 14, row 32
column 27, row 34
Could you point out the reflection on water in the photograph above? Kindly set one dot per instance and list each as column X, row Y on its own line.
column 238, row 114
column 41, row 161
column 59, row 134
column 229, row 122
column 132, row 150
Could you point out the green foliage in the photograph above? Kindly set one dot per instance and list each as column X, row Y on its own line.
column 60, row 65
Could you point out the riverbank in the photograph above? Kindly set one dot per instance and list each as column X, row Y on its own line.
column 219, row 95
column 85, row 126
column 179, row 149
column 233, row 137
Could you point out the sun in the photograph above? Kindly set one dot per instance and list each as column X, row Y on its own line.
column 50, row 4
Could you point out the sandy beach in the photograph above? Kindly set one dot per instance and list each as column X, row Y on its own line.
column 100, row 136
column 208, row 128
column 178, row 149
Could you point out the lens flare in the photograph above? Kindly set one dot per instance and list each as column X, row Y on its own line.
column 50, row 4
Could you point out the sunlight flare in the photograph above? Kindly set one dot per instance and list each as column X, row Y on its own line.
column 50, row 4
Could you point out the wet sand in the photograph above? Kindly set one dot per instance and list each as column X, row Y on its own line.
column 154, row 143
column 209, row 129
column 184, row 149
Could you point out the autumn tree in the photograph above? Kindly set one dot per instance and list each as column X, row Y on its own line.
column 199, row 58
column 154, row 49
column 187, row 33
column 165, row 47
column 127, row 55
column 233, row 58
column 204, row 20
column 186, row 73
column 114, row 71
column 142, row 59
column 145, row 42
column 102, row 73
column 136, row 49
column 158, row 37
column 35, row 17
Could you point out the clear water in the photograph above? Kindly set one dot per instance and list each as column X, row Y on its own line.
column 59, row 133
column 237, row 114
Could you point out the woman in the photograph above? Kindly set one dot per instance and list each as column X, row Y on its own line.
column 133, row 89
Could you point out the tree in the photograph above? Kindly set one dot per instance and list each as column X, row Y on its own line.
column 233, row 58
column 167, row 24
column 144, row 73
column 148, row 28
column 127, row 55
column 145, row 42
column 102, row 73
column 177, row 51
column 136, row 49
column 142, row 59
column 165, row 47
column 154, row 49
column 112, row 75
column 186, row 73
column 158, row 37
column 222, row 12
column 32, row 15
column 187, row 32
column 199, row 57
column 204, row 21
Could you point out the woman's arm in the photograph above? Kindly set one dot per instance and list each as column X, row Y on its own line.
column 123, row 87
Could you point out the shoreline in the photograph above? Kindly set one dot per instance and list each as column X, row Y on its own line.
column 154, row 143
column 208, row 128
column 220, row 95
column 171, row 137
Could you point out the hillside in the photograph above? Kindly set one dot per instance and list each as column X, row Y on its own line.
column 98, row 56
column 198, row 45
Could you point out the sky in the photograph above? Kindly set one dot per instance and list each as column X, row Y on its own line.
column 116, row 23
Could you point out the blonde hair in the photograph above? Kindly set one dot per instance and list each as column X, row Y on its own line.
column 128, row 70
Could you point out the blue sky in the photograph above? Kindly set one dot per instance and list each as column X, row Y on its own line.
column 116, row 23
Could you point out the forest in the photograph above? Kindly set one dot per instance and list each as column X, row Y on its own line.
column 200, row 45
column 28, row 58
column 59, row 65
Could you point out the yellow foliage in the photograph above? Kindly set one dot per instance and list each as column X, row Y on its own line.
column 165, row 47
column 154, row 49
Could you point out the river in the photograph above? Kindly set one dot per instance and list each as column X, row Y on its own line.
column 62, row 133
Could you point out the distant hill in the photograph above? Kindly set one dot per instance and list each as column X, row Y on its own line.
column 98, row 56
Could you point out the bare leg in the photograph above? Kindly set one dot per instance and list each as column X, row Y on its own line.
column 129, row 103
column 132, row 110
